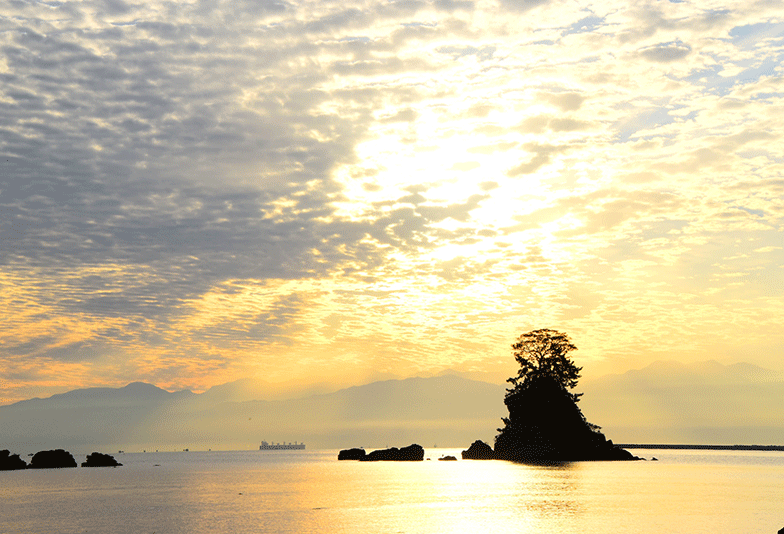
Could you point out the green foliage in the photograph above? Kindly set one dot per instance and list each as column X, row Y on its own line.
column 543, row 355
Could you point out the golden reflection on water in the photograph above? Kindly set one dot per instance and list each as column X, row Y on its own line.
column 247, row 492
column 433, row 496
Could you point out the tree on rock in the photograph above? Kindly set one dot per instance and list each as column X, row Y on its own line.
column 543, row 354
column 544, row 423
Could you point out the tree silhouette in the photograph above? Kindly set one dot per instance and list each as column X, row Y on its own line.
column 545, row 423
column 543, row 354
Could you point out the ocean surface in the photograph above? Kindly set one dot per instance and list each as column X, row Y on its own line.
column 310, row 491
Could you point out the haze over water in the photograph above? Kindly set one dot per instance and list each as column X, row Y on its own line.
column 309, row 492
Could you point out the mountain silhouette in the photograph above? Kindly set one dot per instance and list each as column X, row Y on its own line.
column 665, row 402
column 443, row 409
column 704, row 402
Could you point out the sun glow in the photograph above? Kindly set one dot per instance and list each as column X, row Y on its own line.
column 397, row 185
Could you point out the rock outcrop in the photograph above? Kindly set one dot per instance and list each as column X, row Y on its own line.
column 52, row 459
column 479, row 450
column 10, row 462
column 98, row 459
column 447, row 458
column 412, row 453
column 351, row 454
column 545, row 425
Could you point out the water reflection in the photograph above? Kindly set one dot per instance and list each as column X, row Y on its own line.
column 238, row 493
column 249, row 492
column 463, row 496
column 547, row 496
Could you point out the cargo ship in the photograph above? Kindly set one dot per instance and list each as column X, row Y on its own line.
column 281, row 446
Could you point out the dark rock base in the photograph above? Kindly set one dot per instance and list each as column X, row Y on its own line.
column 351, row 454
column 52, row 459
column 547, row 454
column 11, row 462
column 479, row 450
column 412, row 453
column 98, row 459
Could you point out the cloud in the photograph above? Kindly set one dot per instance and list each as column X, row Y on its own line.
column 522, row 5
column 542, row 155
column 187, row 194
column 454, row 5
column 666, row 52
column 568, row 101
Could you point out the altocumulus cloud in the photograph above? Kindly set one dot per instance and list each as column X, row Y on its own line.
column 190, row 192
column 666, row 52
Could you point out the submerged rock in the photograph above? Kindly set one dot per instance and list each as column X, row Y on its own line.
column 98, row 459
column 10, row 462
column 52, row 459
column 351, row 454
column 412, row 453
column 479, row 450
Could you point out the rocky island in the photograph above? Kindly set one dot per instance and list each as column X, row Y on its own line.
column 98, row 459
column 11, row 462
column 351, row 454
column 52, row 459
column 479, row 450
column 412, row 453
column 545, row 425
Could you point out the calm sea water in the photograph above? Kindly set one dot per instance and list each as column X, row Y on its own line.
column 310, row 491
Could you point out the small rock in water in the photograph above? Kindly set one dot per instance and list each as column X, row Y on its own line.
column 98, row 459
column 10, row 462
column 52, row 459
column 412, row 453
column 351, row 454
column 479, row 450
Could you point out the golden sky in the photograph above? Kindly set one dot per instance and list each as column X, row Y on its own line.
column 323, row 191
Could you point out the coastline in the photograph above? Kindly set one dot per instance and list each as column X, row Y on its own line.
column 666, row 446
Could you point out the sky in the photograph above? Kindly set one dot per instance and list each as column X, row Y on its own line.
column 320, row 191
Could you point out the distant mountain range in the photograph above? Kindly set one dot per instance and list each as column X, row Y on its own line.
column 445, row 410
column 706, row 402
column 666, row 402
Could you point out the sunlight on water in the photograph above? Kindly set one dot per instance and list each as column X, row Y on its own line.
column 253, row 492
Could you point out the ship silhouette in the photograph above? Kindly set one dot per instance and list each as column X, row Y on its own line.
column 281, row 446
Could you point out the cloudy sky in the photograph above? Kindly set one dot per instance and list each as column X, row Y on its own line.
column 195, row 192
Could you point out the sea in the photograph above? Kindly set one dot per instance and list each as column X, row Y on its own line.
column 311, row 491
